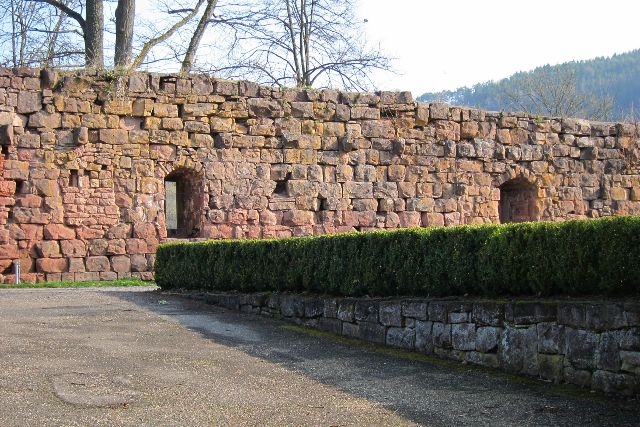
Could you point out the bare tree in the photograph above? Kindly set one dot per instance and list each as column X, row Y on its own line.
column 196, row 39
column 129, row 52
column 92, row 27
column 554, row 91
column 36, row 35
column 185, row 16
column 125, row 17
column 299, row 43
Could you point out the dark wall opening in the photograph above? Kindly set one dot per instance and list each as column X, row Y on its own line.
column 518, row 201
column 183, row 203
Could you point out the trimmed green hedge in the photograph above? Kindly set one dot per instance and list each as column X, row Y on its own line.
column 568, row 258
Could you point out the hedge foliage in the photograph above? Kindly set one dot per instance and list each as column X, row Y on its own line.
column 567, row 258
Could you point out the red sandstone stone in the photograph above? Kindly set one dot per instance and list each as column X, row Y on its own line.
column 7, row 188
column 144, row 230
column 9, row 251
column 51, row 265
column 116, row 247
column 97, row 264
column 29, row 102
column 48, row 249
column 297, row 217
column 138, row 262
column 73, row 248
column 119, row 231
column 136, row 246
column 86, row 233
column 58, row 232
column 121, row 264
column 76, row 265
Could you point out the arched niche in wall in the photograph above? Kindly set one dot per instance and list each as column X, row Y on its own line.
column 518, row 201
column 184, row 203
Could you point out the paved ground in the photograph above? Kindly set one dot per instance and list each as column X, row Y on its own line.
column 137, row 357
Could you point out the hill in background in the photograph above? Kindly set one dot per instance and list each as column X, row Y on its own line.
column 600, row 88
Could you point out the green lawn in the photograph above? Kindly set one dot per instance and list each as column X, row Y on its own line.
column 88, row 284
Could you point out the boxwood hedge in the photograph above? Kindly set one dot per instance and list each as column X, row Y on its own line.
column 567, row 258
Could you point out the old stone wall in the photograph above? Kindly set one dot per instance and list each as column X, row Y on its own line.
column 591, row 344
column 86, row 161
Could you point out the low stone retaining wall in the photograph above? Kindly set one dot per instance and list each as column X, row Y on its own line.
column 590, row 344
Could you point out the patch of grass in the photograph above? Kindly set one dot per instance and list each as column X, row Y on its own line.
column 88, row 284
column 565, row 390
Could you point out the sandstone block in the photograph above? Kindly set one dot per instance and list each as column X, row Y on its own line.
column 487, row 339
column 136, row 246
column 73, row 248
column 46, row 187
column 424, row 336
column 138, row 262
column 469, row 130
column 415, row 310
column 518, row 350
column 116, row 247
column 165, row 110
column 550, row 338
column 114, row 136
column 345, row 310
column 98, row 264
column 463, row 336
column 610, row 382
column 42, row 119
column 580, row 348
column 98, row 246
column 259, row 107
column 28, row 102
column 121, row 264
column 76, row 265
column 48, row 249
column 144, row 231
column 119, row 231
column 438, row 111
column 298, row 217
column 51, row 265
column 291, row 306
column 401, row 337
column 391, row 313
column 441, row 335
column 9, row 251
column 372, row 332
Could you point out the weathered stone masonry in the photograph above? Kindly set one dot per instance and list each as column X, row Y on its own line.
column 86, row 160
column 591, row 344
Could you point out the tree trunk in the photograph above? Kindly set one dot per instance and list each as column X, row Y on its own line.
column 189, row 56
column 93, row 35
column 125, row 16
column 53, row 40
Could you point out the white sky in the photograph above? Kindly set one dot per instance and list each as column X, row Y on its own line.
column 444, row 44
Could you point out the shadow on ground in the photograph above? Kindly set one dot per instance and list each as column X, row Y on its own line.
column 428, row 392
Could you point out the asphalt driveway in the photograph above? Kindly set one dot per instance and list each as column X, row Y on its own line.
column 139, row 357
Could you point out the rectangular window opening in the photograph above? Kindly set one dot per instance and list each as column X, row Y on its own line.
column 171, row 207
column 74, row 178
column 281, row 186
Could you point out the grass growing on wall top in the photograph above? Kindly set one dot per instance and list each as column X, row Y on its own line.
column 568, row 258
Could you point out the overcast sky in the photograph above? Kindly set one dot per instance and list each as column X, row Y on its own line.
column 444, row 44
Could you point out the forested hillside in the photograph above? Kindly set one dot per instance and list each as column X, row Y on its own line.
column 600, row 88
